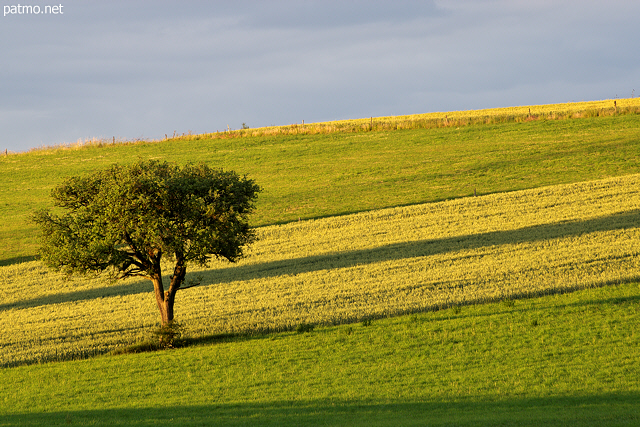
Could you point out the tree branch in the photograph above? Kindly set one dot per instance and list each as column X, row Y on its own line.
column 144, row 263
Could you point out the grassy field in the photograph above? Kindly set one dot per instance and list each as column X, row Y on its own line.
column 311, row 176
column 555, row 360
column 426, row 305
column 344, row 269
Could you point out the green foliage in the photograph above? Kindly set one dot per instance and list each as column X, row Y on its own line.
column 169, row 335
column 126, row 217
column 166, row 336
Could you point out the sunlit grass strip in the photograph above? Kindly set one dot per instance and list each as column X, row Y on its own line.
column 441, row 119
column 323, row 175
column 349, row 268
column 554, row 360
column 607, row 107
column 422, row 257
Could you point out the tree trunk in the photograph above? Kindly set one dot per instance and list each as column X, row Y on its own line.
column 165, row 304
column 165, row 300
column 166, row 313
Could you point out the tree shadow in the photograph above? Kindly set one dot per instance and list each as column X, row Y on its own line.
column 405, row 250
column 137, row 287
column 602, row 409
column 512, row 307
column 396, row 251
column 17, row 260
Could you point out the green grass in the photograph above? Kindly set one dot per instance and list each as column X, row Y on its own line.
column 555, row 360
column 310, row 176
column 343, row 269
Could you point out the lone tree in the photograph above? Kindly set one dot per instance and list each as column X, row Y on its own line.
column 124, row 220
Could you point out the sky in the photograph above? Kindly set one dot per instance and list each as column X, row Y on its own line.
column 140, row 69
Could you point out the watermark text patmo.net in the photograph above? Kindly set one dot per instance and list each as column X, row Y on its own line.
column 21, row 9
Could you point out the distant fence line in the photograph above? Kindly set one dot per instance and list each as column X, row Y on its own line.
column 437, row 120
column 416, row 121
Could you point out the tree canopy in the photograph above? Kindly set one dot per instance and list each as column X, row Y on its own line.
column 125, row 219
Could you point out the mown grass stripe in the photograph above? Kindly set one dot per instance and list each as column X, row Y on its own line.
column 344, row 269
column 311, row 176
column 554, row 360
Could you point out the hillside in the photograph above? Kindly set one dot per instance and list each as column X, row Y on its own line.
column 556, row 360
column 344, row 269
column 483, row 270
column 311, row 175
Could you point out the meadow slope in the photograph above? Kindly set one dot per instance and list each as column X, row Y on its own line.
column 315, row 175
column 568, row 359
column 348, row 268
column 360, row 223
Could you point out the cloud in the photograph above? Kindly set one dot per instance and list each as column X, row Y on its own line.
column 136, row 69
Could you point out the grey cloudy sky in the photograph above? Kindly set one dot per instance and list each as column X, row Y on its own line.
column 143, row 69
